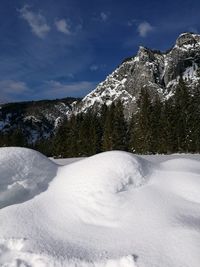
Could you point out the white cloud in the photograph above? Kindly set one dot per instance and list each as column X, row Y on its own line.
column 144, row 28
column 62, row 26
column 11, row 86
column 36, row 21
column 10, row 90
column 104, row 16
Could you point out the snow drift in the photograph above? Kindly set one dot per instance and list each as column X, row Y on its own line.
column 112, row 209
column 24, row 173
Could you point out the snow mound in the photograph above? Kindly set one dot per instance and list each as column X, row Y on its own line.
column 110, row 210
column 97, row 185
column 24, row 173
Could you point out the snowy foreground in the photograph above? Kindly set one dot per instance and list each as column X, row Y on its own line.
column 110, row 210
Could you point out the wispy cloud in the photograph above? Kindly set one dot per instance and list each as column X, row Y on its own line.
column 11, row 90
column 13, row 87
column 36, row 21
column 62, row 26
column 104, row 16
column 144, row 28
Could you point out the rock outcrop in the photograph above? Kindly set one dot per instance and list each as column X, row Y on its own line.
column 157, row 71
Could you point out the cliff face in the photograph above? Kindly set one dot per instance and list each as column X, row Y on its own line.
column 158, row 72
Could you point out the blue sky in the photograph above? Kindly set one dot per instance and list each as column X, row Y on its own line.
column 57, row 48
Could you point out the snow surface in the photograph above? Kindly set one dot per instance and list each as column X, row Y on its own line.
column 24, row 173
column 114, row 209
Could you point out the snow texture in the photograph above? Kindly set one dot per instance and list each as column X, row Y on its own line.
column 24, row 173
column 114, row 209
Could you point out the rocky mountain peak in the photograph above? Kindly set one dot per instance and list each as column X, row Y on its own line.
column 188, row 39
column 158, row 72
column 145, row 54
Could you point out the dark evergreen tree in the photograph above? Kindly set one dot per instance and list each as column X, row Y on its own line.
column 132, row 137
column 156, row 125
column 143, row 133
column 107, row 139
column 119, row 134
column 88, row 134
column 182, row 116
column 61, row 140
column 73, row 140
column 169, row 127
column 195, row 121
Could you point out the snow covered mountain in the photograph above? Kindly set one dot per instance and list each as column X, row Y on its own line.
column 36, row 119
column 157, row 71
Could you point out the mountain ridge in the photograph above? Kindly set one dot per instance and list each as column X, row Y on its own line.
column 158, row 71
column 35, row 119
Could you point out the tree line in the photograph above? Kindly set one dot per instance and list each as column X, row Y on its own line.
column 157, row 126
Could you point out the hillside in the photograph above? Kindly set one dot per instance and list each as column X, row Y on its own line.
column 35, row 119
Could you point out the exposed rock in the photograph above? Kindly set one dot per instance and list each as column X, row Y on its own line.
column 158, row 72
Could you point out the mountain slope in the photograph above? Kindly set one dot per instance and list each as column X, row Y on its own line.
column 36, row 119
column 157, row 71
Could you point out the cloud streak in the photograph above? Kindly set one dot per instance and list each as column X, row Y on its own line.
column 63, row 26
column 104, row 16
column 36, row 21
column 11, row 90
column 144, row 28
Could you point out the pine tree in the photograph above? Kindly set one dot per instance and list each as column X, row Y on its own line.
column 88, row 134
column 16, row 138
column 119, row 128
column 73, row 142
column 157, row 134
column 169, row 128
column 143, row 133
column 181, row 113
column 107, row 139
column 195, row 121
column 132, row 136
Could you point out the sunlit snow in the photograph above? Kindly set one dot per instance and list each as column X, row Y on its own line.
column 114, row 209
